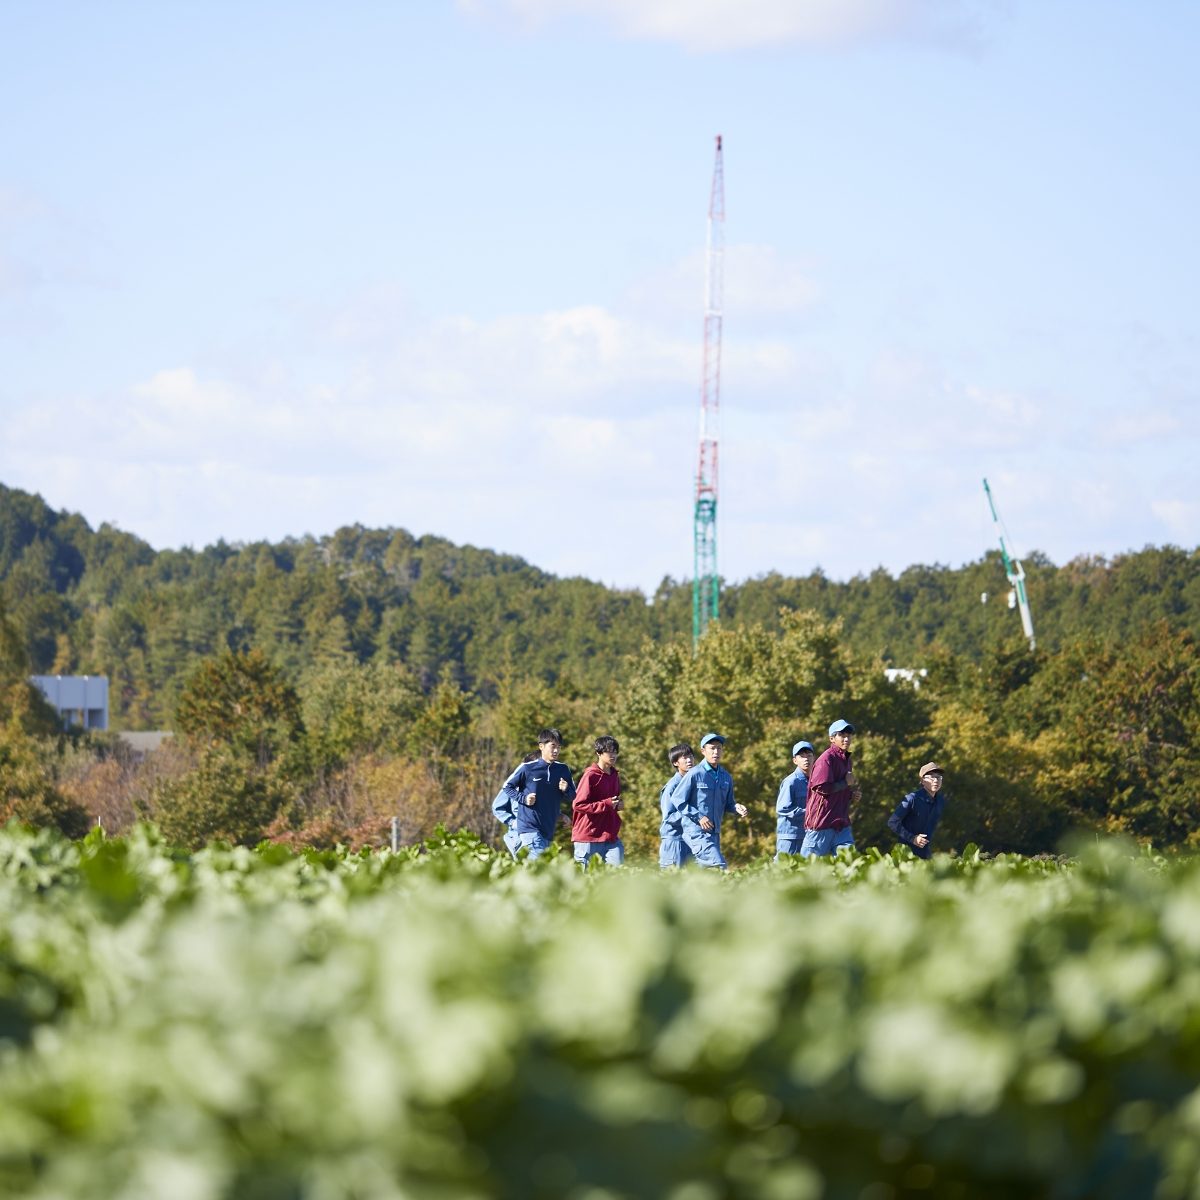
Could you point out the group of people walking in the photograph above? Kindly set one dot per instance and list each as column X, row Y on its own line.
column 812, row 809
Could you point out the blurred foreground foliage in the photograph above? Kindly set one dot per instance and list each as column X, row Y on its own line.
column 330, row 1025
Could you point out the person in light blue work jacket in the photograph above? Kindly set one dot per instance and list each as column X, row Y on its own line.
column 673, row 850
column 793, row 796
column 537, row 790
column 703, row 798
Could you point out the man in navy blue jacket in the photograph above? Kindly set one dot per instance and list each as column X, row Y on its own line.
column 537, row 790
column 917, row 815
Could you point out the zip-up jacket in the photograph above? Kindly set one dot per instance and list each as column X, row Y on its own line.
column 672, row 818
column 706, row 791
column 503, row 808
column 918, row 812
column 790, row 805
column 595, row 819
column 828, row 792
column 542, row 816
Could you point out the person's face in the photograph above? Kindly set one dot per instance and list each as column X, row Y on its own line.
column 932, row 782
column 843, row 739
column 712, row 753
column 608, row 759
column 684, row 763
column 550, row 751
column 804, row 760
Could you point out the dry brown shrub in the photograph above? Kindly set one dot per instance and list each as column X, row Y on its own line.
column 116, row 788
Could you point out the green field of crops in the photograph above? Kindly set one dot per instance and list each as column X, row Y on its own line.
column 443, row 1022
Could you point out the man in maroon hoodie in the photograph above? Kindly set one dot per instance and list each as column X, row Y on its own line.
column 596, row 827
column 832, row 788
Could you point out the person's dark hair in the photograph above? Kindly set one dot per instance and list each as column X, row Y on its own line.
column 532, row 756
column 677, row 751
column 549, row 735
column 606, row 745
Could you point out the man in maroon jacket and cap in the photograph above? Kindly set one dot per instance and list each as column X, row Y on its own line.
column 832, row 788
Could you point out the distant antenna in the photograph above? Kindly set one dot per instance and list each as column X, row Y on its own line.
column 704, row 575
column 1014, row 571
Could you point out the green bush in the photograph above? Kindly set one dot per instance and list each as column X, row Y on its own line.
column 445, row 1022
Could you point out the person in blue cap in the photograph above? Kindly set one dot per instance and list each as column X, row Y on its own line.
column 832, row 788
column 703, row 797
column 792, row 800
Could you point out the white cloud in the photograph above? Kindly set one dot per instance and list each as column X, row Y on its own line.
column 714, row 25
column 1181, row 517
column 759, row 282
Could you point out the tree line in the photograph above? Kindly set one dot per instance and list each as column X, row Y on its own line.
column 319, row 687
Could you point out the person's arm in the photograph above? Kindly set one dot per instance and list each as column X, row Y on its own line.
column 515, row 786
column 822, row 774
column 668, row 799
column 732, row 805
column 684, row 800
column 785, row 802
column 583, row 801
column 896, row 820
column 502, row 807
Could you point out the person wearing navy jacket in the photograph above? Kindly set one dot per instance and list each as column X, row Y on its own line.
column 703, row 797
column 792, row 799
column 537, row 790
column 917, row 815
column 504, row 809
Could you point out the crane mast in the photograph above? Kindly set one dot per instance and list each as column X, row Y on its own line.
column 704, row 534
column 1014, row 571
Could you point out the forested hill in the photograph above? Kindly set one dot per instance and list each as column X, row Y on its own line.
column 104, row 601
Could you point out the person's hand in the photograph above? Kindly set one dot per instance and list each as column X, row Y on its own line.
column 855, row 795
column 851, row 779
column 922, row 840
column 531, row 799
column 618, row 804
column 741, row 810
column 562, row 785
column 706, row 824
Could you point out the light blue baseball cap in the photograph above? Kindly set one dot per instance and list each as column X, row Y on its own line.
column 711, row 737
column 840, row 727
column 803, row 746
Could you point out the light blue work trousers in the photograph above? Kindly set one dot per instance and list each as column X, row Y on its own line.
column 821, row 843
column 613, row 853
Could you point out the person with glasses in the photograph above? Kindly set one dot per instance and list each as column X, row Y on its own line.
column 832, row 788
column 596, row 809
column 918, row 814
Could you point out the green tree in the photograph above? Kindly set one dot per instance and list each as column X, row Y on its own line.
column 240, row 700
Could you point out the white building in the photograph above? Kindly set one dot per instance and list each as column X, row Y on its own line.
column 80, row 699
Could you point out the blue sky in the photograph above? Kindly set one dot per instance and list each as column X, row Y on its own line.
column 269, row 269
